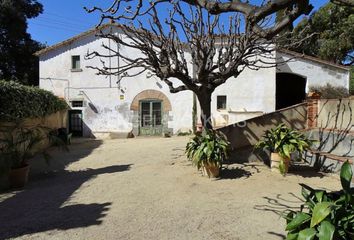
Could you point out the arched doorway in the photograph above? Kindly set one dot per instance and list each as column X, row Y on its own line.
column 151, row 108
column 290, row 90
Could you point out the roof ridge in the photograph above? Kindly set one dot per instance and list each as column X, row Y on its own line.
column 72, row 39
column 311, row 58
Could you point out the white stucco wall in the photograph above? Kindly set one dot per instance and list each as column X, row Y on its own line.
column 249, row 95
column 316, row 73
column 105, row 111
column 107, row 108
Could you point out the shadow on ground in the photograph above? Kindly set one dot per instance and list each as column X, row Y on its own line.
column 235, row 171
column 40, row 207
column 305, row 171
column 280, row 205
column 45, row 202
column 250, row 155
column 61, row 159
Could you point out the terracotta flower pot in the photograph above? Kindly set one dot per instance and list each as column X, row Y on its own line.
column 211, row 170
column 275, row 159
column 18, row 177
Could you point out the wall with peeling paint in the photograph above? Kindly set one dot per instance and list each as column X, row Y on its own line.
column 106, row 110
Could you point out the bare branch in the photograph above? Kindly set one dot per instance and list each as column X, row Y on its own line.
column 192, row 37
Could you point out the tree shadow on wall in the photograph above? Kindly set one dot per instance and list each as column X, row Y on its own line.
column 243, row 136
column 45, row 205
column 333, row 136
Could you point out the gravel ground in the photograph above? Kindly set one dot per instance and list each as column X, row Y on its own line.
column 145, row 188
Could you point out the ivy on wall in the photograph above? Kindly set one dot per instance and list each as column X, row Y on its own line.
column 18, row 102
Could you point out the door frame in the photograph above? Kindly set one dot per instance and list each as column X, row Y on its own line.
column 155, row 130
column 78, row 133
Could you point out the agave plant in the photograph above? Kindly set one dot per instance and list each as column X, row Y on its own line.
column 324, row 216
column 208, row 148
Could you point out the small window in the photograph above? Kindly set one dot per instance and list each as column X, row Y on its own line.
column 77, row 103
column 221, row 102
column 75, row 63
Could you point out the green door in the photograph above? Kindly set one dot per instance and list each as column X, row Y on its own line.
column 150, row 118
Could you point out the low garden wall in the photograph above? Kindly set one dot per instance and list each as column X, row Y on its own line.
column 248, row 133
column 52, row 121
column 28, row 107
column 24, row 107
column 335, row 114
column 331, row 119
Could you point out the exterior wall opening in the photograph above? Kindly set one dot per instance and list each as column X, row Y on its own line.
column 221, row 102
column 151, row 117
column 75, row 123
column 151, row 113
column 290, row 90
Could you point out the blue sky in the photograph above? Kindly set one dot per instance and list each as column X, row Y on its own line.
column 63, row 19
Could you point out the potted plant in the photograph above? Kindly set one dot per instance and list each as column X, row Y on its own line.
column 207, row 151
column 17, row 145
column 282, row 141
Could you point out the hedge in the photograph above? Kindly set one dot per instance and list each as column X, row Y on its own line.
column 18, row 102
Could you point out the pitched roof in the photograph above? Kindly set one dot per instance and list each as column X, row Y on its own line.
column 314, row 59
column 73, row 39
column 96, row 29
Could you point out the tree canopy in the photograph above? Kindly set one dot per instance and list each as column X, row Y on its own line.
column 333, row 39
column 17, row 61
column 348, row 3
column 218, row 51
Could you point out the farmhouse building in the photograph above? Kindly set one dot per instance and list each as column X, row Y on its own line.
column 112, row 106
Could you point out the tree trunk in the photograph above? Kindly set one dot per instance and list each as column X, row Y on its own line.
column 205, row 101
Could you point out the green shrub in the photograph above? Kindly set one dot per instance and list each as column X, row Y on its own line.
column 324, row 215
column 284, row 141
column 208, row 147
column 19, row 102
column 330, row 92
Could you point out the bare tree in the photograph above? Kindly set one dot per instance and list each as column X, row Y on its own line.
column 219, row 49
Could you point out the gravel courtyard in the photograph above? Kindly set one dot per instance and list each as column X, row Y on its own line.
column 145, row 188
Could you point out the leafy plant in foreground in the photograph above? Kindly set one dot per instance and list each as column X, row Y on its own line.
column 324, row 216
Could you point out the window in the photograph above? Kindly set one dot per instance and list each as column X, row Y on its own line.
column 221, row 102
column 75, row 63
column 77, row 104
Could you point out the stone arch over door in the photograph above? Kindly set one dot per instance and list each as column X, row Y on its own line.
column 150, row 95
column 290, row 89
